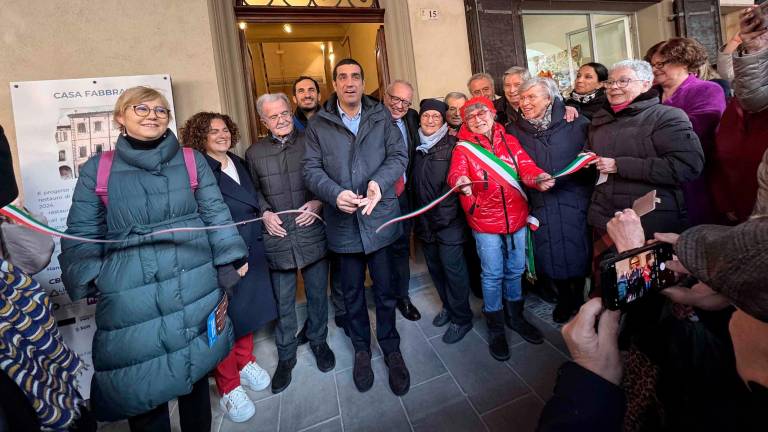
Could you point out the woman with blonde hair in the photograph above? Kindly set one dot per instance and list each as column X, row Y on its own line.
column 156, row 294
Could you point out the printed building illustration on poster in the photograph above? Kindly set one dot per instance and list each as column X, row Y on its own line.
column 81, row 134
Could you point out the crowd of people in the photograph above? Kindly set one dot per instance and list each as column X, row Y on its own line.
column 331, row 173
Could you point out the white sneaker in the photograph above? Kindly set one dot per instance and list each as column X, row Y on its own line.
column 254, row 377
column 238, row 405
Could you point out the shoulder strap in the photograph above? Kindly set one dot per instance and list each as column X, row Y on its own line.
column 189, row 161
column 102, row 175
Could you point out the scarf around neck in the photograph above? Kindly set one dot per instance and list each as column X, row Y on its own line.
column 427, row 142
column 584, row 98
column 543, row 122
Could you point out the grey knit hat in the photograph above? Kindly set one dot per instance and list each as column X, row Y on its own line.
column 731, row 260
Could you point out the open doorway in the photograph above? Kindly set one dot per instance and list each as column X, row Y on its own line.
column 280, row 53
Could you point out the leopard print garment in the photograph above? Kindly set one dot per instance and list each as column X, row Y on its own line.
column 641, row 376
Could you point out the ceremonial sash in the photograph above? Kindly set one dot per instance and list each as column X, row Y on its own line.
column 497, row 169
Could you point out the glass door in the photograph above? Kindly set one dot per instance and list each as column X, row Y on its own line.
column 557, row 44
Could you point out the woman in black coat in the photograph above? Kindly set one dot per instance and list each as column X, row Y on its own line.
column 252, row 302
column 562, row 243
column 443, row 228
column 588, row 94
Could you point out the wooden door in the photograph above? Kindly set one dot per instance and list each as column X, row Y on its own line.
column 700, row 20
column 382, row 66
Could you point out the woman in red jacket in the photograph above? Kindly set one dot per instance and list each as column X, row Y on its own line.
column 493, row 165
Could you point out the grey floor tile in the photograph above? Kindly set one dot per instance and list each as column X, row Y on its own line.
column 265, row 419
column 310, row 399
column 522, row 415
column 537, row 365
column 487, row 382
column 378, row 409
column 429, row 304
column 332, row 425
column 266, row 354
column 440, row 406
column 420, row 357
column 552, row 334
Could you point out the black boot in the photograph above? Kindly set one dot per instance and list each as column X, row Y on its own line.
column 282, row 376
column 497, row 339
column 564, row 308
column 517, row 322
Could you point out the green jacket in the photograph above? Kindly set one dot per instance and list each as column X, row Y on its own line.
column 154, row 294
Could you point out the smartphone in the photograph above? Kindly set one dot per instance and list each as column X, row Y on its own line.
column 636, row 273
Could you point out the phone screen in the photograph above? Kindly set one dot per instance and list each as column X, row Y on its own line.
column 633, row 275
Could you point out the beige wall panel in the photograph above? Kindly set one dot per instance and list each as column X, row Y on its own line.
column 85, row 38
column 440, row 47
column 654, row 26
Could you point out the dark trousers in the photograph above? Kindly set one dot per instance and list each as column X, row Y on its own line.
column 473, row 266
column 337, row 295
column 400, row 254
column 315, row 278
column 194, row 413
column 352, row 283
column 448, row 269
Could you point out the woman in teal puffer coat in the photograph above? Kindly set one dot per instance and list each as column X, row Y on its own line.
column 156, row 293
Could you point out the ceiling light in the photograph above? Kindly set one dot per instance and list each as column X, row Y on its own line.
column 242, row 25
column 287, row 28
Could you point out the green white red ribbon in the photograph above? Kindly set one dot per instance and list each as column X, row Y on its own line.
column 22, row 218
column 581, row 161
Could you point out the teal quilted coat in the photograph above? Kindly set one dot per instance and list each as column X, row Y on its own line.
column 154, row 294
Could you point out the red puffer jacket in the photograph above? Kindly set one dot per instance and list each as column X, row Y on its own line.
column 492, row 208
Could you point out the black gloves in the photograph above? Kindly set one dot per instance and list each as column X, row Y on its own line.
column 228, row 278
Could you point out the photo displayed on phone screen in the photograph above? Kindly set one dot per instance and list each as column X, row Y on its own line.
column 641, row 273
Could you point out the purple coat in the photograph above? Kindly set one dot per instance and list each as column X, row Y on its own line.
column 704, row 102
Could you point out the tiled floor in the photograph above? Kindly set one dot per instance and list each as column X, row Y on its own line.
column 453, row 387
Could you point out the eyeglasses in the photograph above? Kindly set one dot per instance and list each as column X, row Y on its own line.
column 142, row 110
column 660, row 65
column 476, row 115
column 433, row 117
column 399, row 101
column 275, row 117
column 620, row 83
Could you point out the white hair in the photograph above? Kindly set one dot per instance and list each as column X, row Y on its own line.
column 481, row 76
column 517, row 70
column 642, row 68
column 270, row 97
column 401, row 82
column 547, row 84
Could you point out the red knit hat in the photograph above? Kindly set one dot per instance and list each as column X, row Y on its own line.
column 476, row 100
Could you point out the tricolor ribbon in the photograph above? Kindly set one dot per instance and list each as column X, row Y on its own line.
column 24, row 219
column 581, row 161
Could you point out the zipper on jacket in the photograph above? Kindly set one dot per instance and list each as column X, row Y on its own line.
column 504, row 206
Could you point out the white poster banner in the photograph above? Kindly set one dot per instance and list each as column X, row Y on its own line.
column 59, row 125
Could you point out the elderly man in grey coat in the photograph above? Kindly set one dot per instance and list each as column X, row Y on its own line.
column 354, row 156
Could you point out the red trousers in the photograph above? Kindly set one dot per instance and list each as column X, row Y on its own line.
column 227, row 373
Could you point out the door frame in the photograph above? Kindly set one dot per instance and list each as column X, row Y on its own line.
column 302, row 15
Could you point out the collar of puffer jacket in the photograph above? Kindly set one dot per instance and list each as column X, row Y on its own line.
column 152, row 159
column 641, row 103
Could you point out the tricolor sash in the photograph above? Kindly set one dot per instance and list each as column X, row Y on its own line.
column 499, row 170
